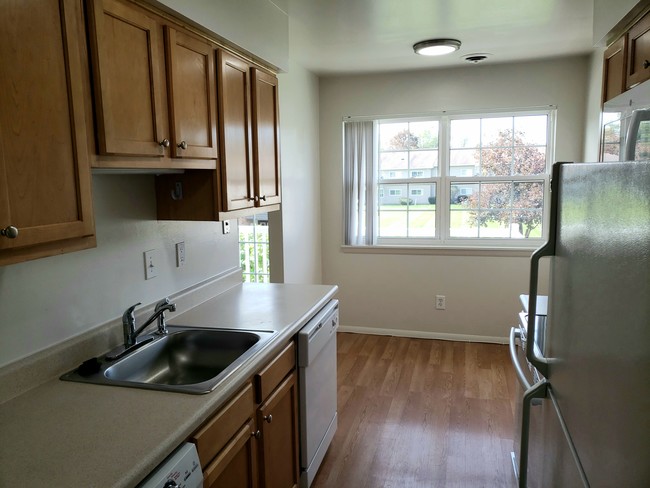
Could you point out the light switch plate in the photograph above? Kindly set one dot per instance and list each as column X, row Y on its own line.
column 180, row 254
column 150, row 264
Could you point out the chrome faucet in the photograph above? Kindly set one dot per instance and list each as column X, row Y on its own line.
column 128, row 321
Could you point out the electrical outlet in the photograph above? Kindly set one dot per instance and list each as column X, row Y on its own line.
column 150, row 264
column 440, row 302
column 180, row 254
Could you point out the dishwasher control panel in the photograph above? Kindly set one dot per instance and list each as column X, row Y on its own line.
column 182, row 469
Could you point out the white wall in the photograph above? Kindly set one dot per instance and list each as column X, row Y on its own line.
column 260, row 27
column 594, row 98
column 397, row 291
column 49, row 300
column 300, row 217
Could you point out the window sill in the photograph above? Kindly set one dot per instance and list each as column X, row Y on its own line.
column 514, row 252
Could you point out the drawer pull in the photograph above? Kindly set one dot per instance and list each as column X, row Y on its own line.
column 268, row 418
column 183, row 145
column 164, row 143
column 646, row 64
column 257, row 434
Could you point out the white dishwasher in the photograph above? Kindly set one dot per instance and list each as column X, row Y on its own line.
column 317, row 380
column 181, row 469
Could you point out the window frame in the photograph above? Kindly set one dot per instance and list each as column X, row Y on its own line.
column 444, row 181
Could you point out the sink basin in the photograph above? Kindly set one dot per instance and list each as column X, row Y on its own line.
column 188, row 360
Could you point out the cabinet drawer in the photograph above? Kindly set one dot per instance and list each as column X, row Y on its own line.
column 270, row 377
column 214, row 435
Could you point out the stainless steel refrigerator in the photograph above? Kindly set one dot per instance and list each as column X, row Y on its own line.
column 584, row 363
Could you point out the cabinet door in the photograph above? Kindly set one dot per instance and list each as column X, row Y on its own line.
column 614, row 69
column 192, row 92
column 277, row 419
column 236, row 465
column 128, row 67
column 44, row 161
column 639, row 52
column 266, row 138
column 235, row 137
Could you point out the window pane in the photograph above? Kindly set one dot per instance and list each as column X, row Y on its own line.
column 407, row 210
column 461, row 224
column 496, row 131
column 531, row 130
column 496, row 161
column 465, row 133
column 425, row 161
column 464, row 162
column 529, row 160
column 425, row 134
column 493, row 195
column 527, row 223
column 391, row 136
column 397, row 162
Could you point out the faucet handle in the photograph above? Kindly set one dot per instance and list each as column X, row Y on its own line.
column 161, row 304
column 128, row 317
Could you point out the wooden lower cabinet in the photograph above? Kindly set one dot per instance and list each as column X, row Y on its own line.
column 277, row 418
column 253, row 440
column 236, row 465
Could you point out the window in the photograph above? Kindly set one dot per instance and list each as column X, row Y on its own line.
column 254, row 248
column 453, row 180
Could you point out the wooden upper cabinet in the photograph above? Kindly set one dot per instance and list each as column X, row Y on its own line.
column 155, row 88
column 128, row 66
column 614, row 69
column 45, row 183
column 192, row 96
column 266, row 138
column 638, row 52
column 233, row 83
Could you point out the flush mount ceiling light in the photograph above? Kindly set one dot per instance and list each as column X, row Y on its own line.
column 436, row 47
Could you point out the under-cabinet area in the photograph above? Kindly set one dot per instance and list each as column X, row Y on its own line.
column 122, row 86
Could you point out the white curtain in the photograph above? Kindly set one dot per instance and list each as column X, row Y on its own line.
column 358, row 183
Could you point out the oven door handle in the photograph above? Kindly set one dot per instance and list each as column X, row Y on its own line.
column 538, row 390
column 515, row 333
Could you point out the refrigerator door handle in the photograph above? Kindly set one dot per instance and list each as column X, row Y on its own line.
column 548, row 249
column 538, row 390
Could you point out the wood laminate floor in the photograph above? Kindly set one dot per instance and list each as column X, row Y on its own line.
column 417, row 413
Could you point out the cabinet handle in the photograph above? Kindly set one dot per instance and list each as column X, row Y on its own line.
column 251, row 199
column 10, row 232
column 263, row 198
column 183, row 145
column 164, row 143
column 268, row 418
column 257, row 434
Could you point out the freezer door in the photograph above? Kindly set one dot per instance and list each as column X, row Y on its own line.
column 598, row 328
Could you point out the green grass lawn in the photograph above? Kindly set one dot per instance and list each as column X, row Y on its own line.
column 420, row 220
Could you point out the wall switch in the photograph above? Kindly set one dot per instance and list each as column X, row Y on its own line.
column 180, row 254
column 150, row 264
column 440, row 302
column 226, row 227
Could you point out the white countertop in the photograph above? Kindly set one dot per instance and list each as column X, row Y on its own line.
column 64, row 434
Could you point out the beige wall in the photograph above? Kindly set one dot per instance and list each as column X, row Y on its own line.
column 298, row 250
column 396, row 292
column 49, row 300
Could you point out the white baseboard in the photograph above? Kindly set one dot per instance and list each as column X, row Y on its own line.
column 419, row 334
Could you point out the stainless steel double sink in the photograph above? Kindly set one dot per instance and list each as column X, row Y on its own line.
column 187, row 360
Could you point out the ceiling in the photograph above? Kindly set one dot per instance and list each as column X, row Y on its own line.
column 356, row 36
